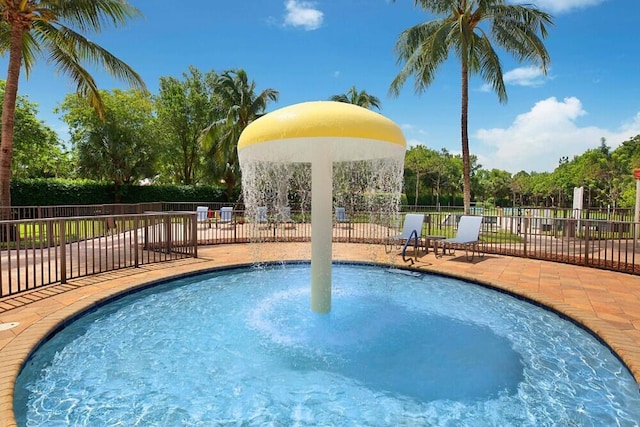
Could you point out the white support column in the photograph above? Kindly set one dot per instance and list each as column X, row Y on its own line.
column 321, row 231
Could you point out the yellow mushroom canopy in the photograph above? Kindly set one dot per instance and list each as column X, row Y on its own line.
column 344, row 132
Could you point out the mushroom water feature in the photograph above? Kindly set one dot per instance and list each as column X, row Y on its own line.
column 322, row 134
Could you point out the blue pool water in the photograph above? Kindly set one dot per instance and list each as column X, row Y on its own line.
column 241, row 347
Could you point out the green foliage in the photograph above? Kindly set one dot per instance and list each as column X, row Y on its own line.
column 185, row 107
column 433, row 177
column 51, row 192
column 360, row 98
column 175, row 193
column 37, row 150
column 240, row 105
column 121, row 146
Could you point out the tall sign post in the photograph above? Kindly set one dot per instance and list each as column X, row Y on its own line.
column 636, row 218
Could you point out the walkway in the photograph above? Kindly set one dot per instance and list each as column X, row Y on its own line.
column 605, row 302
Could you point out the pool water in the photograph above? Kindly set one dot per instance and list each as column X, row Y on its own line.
column 242, row 347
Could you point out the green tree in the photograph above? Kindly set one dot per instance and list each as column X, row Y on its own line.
column 119, row 146
column 416, row 161
column 470, row 28
column 37, row 151
column 520, row 186
column 494, row 184
column 185, row 107
column 603, row 173
column 627, row 158
column 360, row 98
column 629, row 152
column 240, row 106
column 53, row 29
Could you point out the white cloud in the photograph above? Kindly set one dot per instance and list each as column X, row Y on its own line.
column 303, row 14
column 524, row 76
column 537, row 139
column 559, row 6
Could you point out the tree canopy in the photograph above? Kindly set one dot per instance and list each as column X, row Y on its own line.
column 360, row 98
column 121, row 145
column 38, row 151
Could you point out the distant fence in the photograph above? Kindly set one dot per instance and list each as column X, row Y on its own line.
column 606, row 241
column 40, row 252
column 61, row 211
column 37, row 252
column 600, row 239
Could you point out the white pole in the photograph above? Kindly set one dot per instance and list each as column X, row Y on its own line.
column 321, row 230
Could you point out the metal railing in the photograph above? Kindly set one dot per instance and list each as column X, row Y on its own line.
column 40, row 252
column 600, row 243
column 65, row 211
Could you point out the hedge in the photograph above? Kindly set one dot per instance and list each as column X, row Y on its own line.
column 52, row 192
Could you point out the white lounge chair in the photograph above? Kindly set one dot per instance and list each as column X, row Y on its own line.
column 261, row 215
column 341, row 216
column 226, row 215
column 411, row 229
column 467, row 236
column 202, row 213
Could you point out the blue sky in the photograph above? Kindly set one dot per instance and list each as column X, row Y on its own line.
column 310, row 50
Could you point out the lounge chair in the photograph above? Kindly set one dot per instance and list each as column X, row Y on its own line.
column 341, row 216
column 202, row 213
column 226, row 215
column 467, row 236
column 261, row 215
column 411, row 230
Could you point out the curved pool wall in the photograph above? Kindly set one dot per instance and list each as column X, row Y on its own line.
column 504, row 381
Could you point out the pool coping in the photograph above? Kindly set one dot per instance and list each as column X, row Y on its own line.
column 43, row 311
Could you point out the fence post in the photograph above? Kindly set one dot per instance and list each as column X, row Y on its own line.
column 136, row 225
column 526, row 228
column 167, row 232
column 194, row 234
column 63, row 251
column 587, row 229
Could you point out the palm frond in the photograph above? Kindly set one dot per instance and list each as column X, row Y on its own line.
column 92, row 16
column 64, row 43
column 30, row 50
column 422, row 48
column 5, row 32
column 490, row 68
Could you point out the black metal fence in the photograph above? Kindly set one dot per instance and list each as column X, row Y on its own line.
column 40, row 252
column 37, row 252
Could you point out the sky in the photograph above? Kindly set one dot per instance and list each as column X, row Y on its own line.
column 311, row 50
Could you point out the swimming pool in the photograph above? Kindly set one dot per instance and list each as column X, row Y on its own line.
column 242, row 346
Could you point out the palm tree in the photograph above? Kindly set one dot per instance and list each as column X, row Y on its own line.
column 52, row 29
column 239, row 106
column 468, row 28
column 360, row 98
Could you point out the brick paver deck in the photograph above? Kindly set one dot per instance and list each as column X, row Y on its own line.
column 607, row 303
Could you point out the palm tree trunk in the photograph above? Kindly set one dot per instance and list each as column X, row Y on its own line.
column 464, row 130
column 8, row 117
